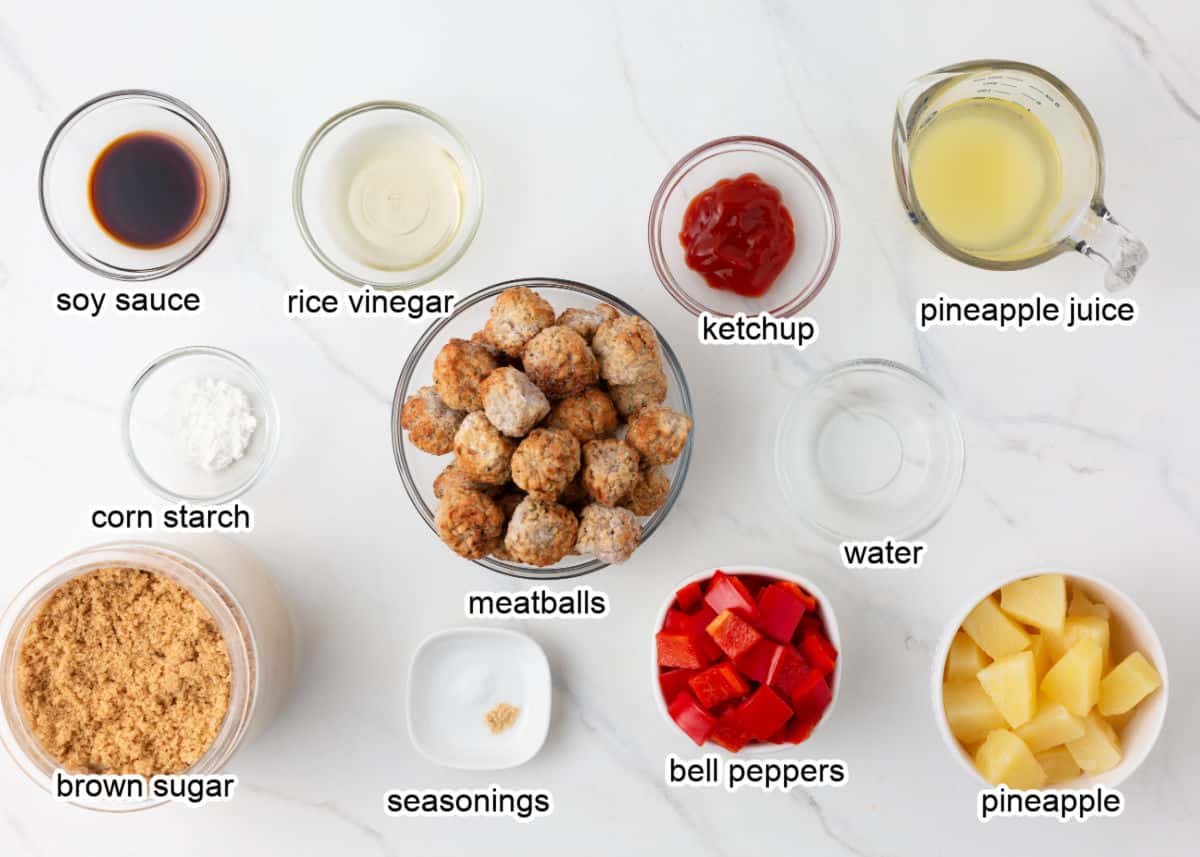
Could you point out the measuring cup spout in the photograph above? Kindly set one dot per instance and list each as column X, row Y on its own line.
column 1100, row 237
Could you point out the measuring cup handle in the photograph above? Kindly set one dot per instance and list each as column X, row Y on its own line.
column 1108, row 242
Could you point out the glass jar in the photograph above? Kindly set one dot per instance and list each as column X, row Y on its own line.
column 243, row 602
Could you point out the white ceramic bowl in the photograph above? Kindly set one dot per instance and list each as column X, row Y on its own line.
column 824, row 608
column 1131, row 631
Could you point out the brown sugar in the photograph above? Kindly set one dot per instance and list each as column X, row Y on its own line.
column 123, row 671
column 501, row 718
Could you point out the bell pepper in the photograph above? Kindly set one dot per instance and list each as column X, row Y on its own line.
column 728, row 732
column 818, row 651
column 677, row 622
column 796, row 731
column 680, row 650
column 810, row 603
column 756, row 663
column 695, row 722
column 787, row 670
column 718, row 684
column 726, row 592
column 732, row 633
column 673, row 681
column 811, row 697
column 763, row 714
column 780, row 607
column 689, row 597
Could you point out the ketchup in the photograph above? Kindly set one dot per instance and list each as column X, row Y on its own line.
column 738, row 235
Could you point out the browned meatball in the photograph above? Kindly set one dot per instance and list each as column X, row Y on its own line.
column 541, row 533
column 546, row 462
column 627, row 349
column 609, row 534
column 430, row 423
column 586, row 321
column 658, row 433
column 518, row 315
column 482, row 453
column 559, row 361
column 458, row 370
column 631, row 398
column 509, row 501
column 589, row 416
column 610, row 470
column 470, row 522
column 452, row 478
column 512, row 402
column 649, row 493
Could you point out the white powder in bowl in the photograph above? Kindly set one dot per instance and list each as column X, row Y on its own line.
column 216, row 422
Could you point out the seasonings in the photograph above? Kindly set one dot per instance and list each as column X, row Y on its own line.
column 501, row 718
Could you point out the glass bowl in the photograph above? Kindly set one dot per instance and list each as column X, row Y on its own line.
column 805, row 193
column 66, row 173
column 868, row 450
column 418, row 469
column 319, row 167
column 150, row 418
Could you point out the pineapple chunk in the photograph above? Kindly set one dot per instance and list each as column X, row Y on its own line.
column 1075, row 628
column 965, row 659
column 1118, row 721
column 1129, row 683
column 969, row 710
column 1011, row 682
column 1039, row 601
column 1051, row 726
column 1075, row 680
column 1081, row 605
column 1004, row 758
column 993, row 631
column 1099, row 749
column 1041, row 656
column 1059, row 765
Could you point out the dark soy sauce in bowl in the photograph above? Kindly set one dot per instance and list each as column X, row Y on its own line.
column 146, row 190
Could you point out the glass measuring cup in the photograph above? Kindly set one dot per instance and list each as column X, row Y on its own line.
column 1077, row 220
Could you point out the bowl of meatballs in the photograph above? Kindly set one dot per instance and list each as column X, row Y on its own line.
column 543, row 430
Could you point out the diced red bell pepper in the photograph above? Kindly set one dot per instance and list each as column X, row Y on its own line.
column 810, row 622
column 689, row 597
column 732, row 633
column 756, row 663
column 780, row 607
column 796, row 731
column 677, row 622
column 673, row 681
column 763, row 714
column 718, row 684
column 810, row 603
column 811, row 697
column 818, row 651
column 787, row 670
column 728, row 732
column 680, row 650
column 696, row 624
column 696, row 723
column 726, row 592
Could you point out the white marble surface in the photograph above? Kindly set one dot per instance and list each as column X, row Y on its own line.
column 1082, row 448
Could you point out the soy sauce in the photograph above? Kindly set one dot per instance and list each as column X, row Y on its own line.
column 146, row 190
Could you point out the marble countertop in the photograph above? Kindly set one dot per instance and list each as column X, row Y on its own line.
column 1082, row 447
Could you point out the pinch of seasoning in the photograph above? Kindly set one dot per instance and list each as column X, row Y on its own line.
column 501, row 718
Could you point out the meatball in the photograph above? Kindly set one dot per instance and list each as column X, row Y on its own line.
column 509, row 502
column 541, row 533
column 546, row 462
column 658, row 433
column 517, row 316
column 559, row 361
column 610, row 470
column 482, row 453
column 458, row 370
column 470, row 522
column 574, row 496
column 590, row 415
column 512, row 402
column 609, row 534
column 452, row 478
column 627, row 349
column 650, row 492
column 430, row 422
column 631, row 398
column 585, row 321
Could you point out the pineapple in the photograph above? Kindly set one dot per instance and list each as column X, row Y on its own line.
column 965, row 659
column 1041, row 655
column 1075, row 680
column 1052, row 726
column 1039, row 601
column 969, row 710
column 1081, row 606
column 1129, row 683
column 1059, row 765
column 1076, row 628
column 1011, row 682
column 1004, row 758
column 993, row 631
column 1099, row 749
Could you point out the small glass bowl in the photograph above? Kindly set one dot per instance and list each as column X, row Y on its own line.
column 149, row 422
column 869, row 450
column 66, row 173
column 805, row 193
column 319, row 160
column 418, row 469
